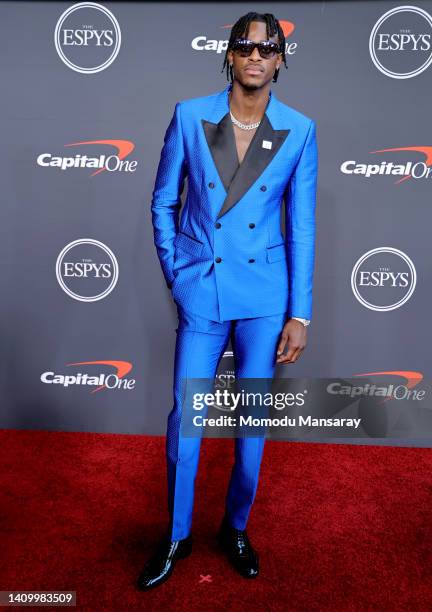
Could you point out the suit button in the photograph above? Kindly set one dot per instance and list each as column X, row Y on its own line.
column 218, row 259
column 211, row 185
column 251, row 225
column 218, row 225
column 263, row 188
column 251, row 261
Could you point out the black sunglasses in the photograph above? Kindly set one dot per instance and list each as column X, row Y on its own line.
column 266, row 48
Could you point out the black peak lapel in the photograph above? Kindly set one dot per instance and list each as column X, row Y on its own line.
column 238, row 179
column 255, row 161
column 221, row 142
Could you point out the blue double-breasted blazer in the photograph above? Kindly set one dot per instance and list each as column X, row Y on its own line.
column 225, row 257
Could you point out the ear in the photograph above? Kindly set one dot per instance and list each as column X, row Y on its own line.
column 230, row 57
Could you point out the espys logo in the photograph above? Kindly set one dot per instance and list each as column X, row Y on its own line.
column 116, row 380
column 87, row 37
column 87, row 270
column 416, row 170
column 226, row 375
column 202, row 43
column 400, row 42
column 111, row 163
column 383, row 279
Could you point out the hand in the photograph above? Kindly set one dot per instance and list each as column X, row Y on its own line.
column 294, row 334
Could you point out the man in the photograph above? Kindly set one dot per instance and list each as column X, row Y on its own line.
column 231, row 272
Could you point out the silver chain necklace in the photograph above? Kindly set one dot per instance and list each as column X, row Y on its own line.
column 244, row 126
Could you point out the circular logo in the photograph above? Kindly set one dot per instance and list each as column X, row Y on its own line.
column 400, row 42
column 87, row 37
column 87, row 270
column 225, row 375
column 383, row 279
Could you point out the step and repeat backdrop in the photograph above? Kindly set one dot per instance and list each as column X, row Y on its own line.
column 88, row 89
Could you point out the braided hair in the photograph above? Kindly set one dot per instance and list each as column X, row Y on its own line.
column 241, row 28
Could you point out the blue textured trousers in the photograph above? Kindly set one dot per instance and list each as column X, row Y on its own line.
column 200, row 345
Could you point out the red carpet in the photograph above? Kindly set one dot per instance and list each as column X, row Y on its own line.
column 337, row 527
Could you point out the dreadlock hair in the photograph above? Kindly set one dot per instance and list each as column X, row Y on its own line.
column 241, row 28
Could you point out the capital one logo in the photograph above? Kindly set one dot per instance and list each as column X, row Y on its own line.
column 113, row 380
column 116, row 162
column 383, row 279
column 407, row 169
column 87, row 270
column 400, row 42
column 203, row 43
column 87, row 37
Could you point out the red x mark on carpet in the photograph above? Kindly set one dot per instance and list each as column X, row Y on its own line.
column 206, row 578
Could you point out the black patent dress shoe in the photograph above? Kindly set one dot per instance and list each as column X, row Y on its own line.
column 160, row 567
column 239, row 550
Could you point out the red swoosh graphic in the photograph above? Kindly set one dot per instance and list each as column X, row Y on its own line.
column 122, row 367
column 427, row 151
column 412, row 378
column 287, row 27
column 124, row 147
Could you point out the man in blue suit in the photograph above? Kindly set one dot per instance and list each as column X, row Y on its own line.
column 232, row 273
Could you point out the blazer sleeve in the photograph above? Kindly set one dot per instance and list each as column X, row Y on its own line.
column 166, row 201
column 300, row 204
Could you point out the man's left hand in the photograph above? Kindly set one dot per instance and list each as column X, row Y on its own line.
column 294, row 335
